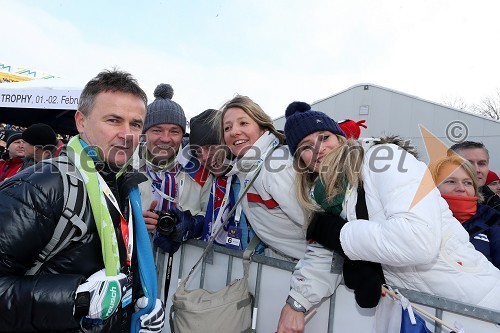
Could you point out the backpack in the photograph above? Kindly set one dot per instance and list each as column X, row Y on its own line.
column 70, row 226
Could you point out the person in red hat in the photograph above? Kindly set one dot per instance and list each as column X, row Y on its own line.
column 493, row 182
column 351, row 128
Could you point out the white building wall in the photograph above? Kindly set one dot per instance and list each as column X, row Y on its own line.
column 393, row 112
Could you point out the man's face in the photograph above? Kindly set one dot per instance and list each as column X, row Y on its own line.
column 36, row 152
column 479, row 159
column 29, row 150
column 113, row 126
column 16, row 149
column 214, row 158
column 495, row 186
column 163, row 141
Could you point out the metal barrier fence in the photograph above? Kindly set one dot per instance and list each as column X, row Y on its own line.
column 442, row 307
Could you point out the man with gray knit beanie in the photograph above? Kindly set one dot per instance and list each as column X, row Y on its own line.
column 176, row 186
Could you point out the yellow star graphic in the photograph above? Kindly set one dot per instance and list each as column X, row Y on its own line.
column 436, row 149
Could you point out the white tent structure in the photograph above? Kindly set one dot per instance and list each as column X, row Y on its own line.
column 388, row 111
column 50, row 101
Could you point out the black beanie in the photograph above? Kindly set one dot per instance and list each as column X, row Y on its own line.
column 10, row 136
column 40, row 135
column 202, row 131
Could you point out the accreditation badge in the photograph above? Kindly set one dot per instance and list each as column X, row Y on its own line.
column 233, row 238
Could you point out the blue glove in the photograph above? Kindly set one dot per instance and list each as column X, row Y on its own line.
column 164, row 243
column 186, row 227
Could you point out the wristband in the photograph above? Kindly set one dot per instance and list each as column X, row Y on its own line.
column 82, row 305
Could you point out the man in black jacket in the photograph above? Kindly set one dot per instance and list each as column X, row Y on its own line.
column 92, row 283
column 477, row 154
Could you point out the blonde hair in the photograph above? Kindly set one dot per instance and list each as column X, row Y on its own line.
column 253, row 110
column 437, row 167
column 339, row 165
column 342, row 164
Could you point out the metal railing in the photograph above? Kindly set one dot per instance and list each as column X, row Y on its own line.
column 439, row 304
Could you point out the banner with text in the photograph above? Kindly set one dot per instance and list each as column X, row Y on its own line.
column 40, row 98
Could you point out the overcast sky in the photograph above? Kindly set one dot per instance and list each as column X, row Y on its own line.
column 275, row 51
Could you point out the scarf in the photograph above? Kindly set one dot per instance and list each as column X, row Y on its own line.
column 215, row 201
column 333, row 205
column 463, row 208
column 164, row 187
column 83, row 157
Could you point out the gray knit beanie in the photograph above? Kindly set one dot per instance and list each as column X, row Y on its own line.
column 163, row 110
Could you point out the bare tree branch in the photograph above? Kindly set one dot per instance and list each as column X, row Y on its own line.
column 455, row 102
column 489, row 106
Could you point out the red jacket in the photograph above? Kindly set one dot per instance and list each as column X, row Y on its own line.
column 10, row 167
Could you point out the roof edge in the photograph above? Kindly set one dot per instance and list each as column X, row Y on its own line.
column 403, row 94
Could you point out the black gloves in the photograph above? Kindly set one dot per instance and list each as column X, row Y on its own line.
column 325, row 229
column 364, row 277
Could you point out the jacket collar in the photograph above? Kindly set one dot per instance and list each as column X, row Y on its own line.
column 258, row 152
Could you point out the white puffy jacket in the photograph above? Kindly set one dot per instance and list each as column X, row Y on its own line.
column 421, row 247
column 275, row 215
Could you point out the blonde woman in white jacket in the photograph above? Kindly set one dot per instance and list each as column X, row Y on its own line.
column 270, row 206
column 419, row 243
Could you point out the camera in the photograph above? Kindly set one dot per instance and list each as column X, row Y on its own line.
column 166, row 223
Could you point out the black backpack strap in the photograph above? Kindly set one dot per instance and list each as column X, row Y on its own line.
column 70, row 226
column 361, row 209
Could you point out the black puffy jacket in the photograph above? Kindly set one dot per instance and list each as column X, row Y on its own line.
column 490, row 198
column 31, row 204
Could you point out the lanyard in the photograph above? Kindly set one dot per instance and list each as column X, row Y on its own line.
column 169, row 177
column 127, row 228
column 164, row 195
column 222, row 208
column 237, row 215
